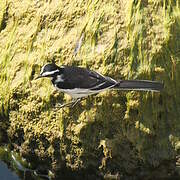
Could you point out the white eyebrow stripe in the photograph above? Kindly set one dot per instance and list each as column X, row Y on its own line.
column 49, row 73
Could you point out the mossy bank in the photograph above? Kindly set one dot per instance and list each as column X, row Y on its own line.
column 126, row 134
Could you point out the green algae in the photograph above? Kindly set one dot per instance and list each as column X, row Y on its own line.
column 114, row 132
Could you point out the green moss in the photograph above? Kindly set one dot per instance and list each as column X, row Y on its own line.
column 114, row 132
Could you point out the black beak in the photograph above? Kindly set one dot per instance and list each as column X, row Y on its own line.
column 38, row 77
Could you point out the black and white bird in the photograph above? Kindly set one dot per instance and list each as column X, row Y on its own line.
column 81, row 82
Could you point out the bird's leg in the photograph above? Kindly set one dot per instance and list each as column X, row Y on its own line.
column 76, row 101
column 65, row 104
column 72, row 103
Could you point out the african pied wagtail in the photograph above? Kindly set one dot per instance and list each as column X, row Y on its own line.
column 80, row 82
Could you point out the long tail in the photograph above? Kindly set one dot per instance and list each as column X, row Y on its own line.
column 141, row 85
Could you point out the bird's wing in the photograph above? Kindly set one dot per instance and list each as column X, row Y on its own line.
column 76, row 77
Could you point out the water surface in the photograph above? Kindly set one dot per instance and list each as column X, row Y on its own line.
column 6, row 173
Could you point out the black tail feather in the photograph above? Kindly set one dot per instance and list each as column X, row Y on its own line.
column 141, row 85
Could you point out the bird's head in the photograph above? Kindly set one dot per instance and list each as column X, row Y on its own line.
column 48, row 70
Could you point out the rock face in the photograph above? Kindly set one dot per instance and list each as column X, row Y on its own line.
column 126, row 134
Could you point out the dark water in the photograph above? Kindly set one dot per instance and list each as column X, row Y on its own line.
column 13, row 167
column 6, row 173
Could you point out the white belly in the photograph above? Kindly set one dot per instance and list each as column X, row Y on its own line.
column 79, row 93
